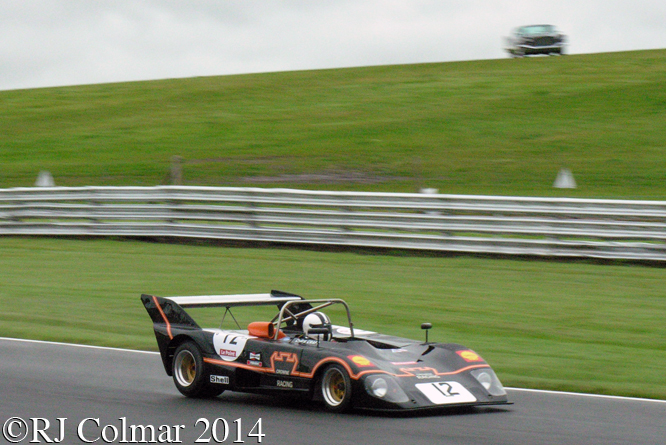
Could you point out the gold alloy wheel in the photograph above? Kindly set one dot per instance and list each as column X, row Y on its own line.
column 185, row 368
column 334, row 387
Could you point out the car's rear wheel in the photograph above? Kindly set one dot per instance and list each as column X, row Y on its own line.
column 336, row 389
column 188, row 373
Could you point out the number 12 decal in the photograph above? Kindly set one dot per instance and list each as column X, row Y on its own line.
column 230, row 339
column 446, row 393
column 229, row 345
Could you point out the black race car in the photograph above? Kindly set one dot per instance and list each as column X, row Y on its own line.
column 534, row 40
column 301, row 352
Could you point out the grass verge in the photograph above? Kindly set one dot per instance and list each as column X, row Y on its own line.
column 551, row 325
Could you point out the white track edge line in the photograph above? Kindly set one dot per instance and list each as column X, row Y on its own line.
column 542, row 391
column 582, row 394
column 107, row 348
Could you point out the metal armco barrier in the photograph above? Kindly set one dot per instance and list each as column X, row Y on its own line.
column 559, row 227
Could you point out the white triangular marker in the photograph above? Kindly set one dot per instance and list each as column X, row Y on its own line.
column 565, row 180
column 44, row 179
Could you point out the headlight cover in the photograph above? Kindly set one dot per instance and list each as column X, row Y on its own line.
column 487, row 378
column 379, row 387
column 385, row 387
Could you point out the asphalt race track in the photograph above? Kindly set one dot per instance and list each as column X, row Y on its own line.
column 102, row 393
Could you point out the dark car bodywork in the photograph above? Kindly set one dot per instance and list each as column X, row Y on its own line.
column 370, row 370
column 535, row 39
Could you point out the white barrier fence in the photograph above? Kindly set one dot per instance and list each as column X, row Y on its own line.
column 560, row 227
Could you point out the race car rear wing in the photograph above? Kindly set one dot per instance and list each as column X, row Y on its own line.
column 275, row 297
column 170, row 311
column 170, row 318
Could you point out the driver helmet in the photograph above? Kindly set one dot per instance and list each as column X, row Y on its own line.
column 316, row 320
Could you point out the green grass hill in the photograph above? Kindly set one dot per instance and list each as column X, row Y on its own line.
column 502, row 127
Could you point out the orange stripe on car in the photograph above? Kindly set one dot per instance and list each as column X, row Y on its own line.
column 290, row 357
column 168, row 325
column 408, row 372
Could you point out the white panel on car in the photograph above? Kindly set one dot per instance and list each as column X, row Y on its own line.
column 345, row 331
column 443, row 393
column 229, row 345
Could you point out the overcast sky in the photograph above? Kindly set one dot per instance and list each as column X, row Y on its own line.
column 70, row 42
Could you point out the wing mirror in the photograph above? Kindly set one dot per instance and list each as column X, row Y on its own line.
column 324, row 331
column 426, row 327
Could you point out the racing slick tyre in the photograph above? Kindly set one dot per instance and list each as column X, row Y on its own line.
column 336, row 389
column 188, row 373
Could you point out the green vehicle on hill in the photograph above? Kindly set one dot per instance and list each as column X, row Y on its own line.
column 534, row 40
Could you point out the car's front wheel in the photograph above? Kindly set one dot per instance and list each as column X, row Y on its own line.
column 188, row 372
column 336, row 389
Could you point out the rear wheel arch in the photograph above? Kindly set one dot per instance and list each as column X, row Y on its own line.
column 171, row 350
column 189, row 371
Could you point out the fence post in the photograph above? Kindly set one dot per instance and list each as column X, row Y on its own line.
column 176, row 170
